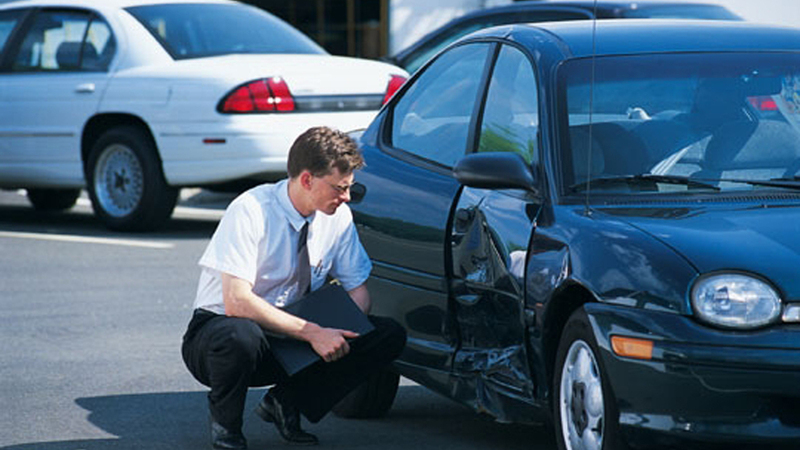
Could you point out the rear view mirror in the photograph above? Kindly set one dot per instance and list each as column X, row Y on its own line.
column 497, row 170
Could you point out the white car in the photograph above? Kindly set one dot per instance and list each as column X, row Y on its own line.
column 135, row 99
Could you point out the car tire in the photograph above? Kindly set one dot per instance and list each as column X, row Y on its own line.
column 45, row 199
column 126, row 183
column 584, row 407
column 372, row 399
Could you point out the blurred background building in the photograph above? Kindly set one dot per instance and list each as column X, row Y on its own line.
column 369, row 28
column 375, row 28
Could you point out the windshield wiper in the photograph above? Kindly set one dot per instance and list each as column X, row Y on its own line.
column 781, row 182
column 640, row 179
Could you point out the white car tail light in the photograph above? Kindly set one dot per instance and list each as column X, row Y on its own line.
column 395, row 82
column 265, row 95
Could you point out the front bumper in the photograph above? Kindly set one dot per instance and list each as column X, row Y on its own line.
column 702, row 383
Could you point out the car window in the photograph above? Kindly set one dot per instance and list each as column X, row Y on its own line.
column 8, row 21
column 511, row 115
column 714, row 118
column 65, row 41
column 201, row 30
column 459, row 30
column 432, row 118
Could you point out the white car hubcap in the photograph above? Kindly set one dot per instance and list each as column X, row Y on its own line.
column 581, row 399
column 118, row 180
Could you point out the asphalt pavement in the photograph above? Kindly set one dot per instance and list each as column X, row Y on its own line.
column 90, row 329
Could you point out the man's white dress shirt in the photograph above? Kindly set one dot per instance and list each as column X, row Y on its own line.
column 256, row 240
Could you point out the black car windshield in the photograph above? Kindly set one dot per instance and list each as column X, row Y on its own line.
column 189, row 30
column 681, row 122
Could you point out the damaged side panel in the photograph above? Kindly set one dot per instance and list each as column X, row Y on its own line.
column 489, row 241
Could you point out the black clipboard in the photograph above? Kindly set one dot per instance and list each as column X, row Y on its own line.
column 330, row 307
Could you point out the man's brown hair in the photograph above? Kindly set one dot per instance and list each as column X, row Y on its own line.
column 321, row 149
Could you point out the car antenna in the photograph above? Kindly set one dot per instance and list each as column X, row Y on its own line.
column 587, row 210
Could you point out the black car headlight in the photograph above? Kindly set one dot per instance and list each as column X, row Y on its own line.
column 735, row 300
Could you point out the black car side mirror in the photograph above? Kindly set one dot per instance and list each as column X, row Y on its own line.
column 495, row 170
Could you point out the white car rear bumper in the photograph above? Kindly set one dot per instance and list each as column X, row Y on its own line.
column 240, row 146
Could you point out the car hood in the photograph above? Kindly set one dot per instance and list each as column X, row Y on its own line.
column 756, row 239
column 304, row 74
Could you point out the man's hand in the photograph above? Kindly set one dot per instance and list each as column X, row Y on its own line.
column 330, row 343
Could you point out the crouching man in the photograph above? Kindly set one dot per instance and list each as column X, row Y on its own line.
column 274, row 244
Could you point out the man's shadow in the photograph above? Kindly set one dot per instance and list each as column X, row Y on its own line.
column 179, row 421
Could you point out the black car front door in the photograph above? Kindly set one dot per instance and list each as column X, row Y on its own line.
column 410, row 190
column 489, row 236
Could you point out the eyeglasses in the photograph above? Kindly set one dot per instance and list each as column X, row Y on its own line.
column 339, row 189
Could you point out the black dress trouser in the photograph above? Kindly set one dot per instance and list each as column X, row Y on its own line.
column 230, row 355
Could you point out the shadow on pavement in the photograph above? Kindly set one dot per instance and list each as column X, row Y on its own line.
column 419, row 419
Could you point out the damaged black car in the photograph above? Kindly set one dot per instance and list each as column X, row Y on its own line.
column 595, row 226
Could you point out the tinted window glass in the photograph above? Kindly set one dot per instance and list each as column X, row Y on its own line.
column 8, row 21
column 65, row 41
column 432, row 118
column 198, row 30
column 511, row 114
column 716, row 118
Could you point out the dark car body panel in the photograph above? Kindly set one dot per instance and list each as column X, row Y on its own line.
column 485, row 279
column 697, row 369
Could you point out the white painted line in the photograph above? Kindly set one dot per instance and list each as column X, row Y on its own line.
column 85, row 239
column 200, row 212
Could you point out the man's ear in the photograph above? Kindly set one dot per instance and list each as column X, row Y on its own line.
column 305, row 179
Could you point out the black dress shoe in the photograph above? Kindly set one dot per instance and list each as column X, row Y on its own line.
column 286, row 419
column 225, row 439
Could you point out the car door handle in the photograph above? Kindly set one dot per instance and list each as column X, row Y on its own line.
column 85, row 88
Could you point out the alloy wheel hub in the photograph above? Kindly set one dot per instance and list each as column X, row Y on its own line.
column 119, row 180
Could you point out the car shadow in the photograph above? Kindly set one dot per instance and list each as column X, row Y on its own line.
column 178, row 420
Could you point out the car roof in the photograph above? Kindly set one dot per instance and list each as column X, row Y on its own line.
column 630, row 36
column 104, row 4
column 604, row 8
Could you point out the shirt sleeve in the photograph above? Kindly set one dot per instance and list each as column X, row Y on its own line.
column 234, row 247
column 351, row 264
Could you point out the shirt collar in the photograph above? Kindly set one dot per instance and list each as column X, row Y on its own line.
column 292, row 215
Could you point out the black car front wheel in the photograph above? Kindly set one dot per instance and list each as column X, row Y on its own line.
column 126, row 183
column 585, row 411
column 372, row 399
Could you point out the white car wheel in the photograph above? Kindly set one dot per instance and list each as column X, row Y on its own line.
column 118, row 180
column 126, row 183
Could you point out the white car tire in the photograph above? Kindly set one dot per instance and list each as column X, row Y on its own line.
column 46, row 199
column 126, row 183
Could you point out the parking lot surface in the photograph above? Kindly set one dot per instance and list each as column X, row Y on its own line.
column 90, row 330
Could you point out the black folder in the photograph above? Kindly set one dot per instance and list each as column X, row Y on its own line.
column 330, row 307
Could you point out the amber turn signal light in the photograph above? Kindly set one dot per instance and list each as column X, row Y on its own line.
column 632, row 348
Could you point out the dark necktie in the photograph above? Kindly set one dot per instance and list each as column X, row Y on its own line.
column 303, row 265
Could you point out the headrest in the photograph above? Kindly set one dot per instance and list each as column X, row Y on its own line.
column 68, row 54
column 579, row 144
